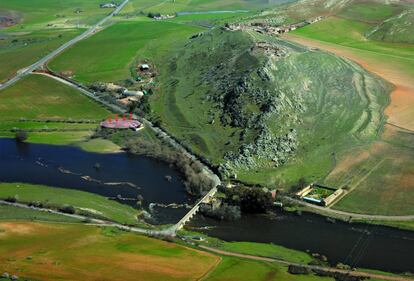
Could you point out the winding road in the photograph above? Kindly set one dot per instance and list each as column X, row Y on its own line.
column 25, row 71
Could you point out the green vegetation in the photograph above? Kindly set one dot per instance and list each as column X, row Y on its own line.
column 19, row 50
column 379, row 178
column 351, row 34
column 226, row 97
column 16, row 213
column 241, row 269
column 369, row 11
column 85, row 203
column 50, row 111
column 170, row 7
column 99, row 146
column 396, row 29
column 266, row 250
column 110, row 54
column 45, row 251
column 40, row 27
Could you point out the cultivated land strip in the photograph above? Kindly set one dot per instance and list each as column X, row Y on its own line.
column 25, row 71
column 311, row 267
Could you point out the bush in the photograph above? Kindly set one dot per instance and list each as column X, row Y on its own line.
column 68, row 209
column 21, row 136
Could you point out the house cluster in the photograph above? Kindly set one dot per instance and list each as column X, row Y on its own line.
column 107, row 5
column 124, row 95
column 263, row 27
column 134, row 93
column 163, row 17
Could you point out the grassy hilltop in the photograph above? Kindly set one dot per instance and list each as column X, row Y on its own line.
column 266, row 109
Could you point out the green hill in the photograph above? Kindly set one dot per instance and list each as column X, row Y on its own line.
column 398, row 29
column 265, row 109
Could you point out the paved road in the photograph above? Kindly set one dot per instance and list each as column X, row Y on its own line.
column 25, row 71
column 327, row 211
column 311, row 267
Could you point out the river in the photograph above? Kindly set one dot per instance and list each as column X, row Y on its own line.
column 359, row 245
column 119, row 174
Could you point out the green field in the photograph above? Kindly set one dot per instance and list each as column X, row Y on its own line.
column 350, row 34
column 41, row 98
column 36, row 15
column 41, row 27
column 29, row 47
column 266, row 250
column 109, row 55
column 83, row 202
column 16, row 213
column 170, row 7
column 45, row 251
column 239, row 269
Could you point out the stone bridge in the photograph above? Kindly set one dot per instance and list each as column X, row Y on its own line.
column 173, row 229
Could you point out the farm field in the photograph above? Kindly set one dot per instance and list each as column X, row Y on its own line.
column 110, row 54
column 84, row 202
column 39, row 98
column 20, row 50
column 380, row 177
column 169, row 7
column 40, row 27
column 45, row 251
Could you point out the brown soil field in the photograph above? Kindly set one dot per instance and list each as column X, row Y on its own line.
column 46, row 251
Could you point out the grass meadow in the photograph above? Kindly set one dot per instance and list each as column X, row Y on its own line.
column 234, row 269
column 16, row 213
column 82, row 201
column 40, row 97
column 46, row 251
column 109, row 55
column 41, row 27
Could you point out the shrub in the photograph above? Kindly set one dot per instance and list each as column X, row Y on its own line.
column 21, row 136
column 68, row 209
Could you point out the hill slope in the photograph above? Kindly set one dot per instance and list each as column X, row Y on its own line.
column 251, row 103
column 396, row 29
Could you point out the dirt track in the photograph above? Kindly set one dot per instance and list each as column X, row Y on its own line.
column 400, row 110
